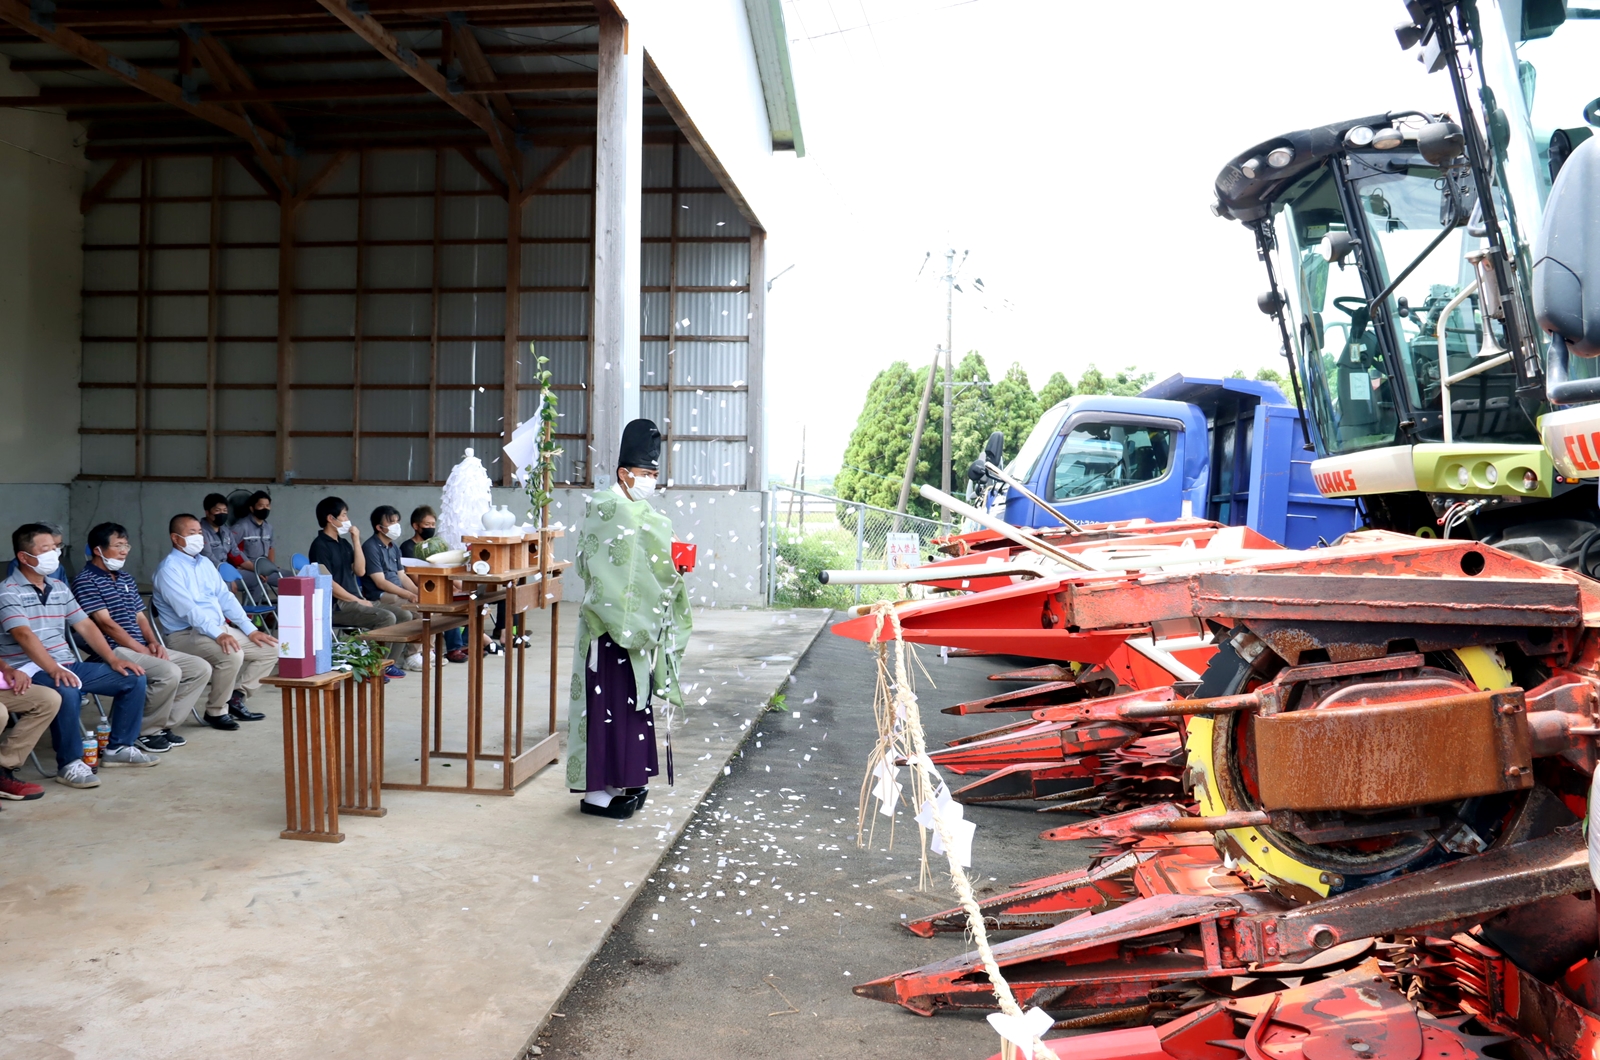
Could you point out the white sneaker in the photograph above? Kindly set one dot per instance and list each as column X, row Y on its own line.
column 414, row 662
column 77, row 775
column 128, row 756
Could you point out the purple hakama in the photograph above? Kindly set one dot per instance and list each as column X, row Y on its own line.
column 622, row 738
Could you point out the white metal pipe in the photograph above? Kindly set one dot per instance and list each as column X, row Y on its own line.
column 1439, row 332
column 928, row 574
column 1004, row 476
column 1004, row 529
column 1162, row 658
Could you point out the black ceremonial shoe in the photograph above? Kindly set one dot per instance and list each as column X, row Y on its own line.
column 621, row 808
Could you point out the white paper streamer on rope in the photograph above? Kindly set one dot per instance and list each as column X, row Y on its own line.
column 952, row 834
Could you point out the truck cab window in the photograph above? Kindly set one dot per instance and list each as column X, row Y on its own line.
column 1100, row 457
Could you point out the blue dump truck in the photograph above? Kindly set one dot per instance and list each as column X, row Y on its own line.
column 1231, row 450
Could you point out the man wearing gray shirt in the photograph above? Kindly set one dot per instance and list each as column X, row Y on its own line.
column 252, row 536
column 214, row 528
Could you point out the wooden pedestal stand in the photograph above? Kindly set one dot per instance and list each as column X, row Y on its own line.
column 311, row 756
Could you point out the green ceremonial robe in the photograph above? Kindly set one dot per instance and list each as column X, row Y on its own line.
column 632, row 592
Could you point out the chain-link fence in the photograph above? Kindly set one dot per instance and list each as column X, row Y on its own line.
column 811, row 532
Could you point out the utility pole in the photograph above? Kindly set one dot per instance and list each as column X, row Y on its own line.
column 949, row 371
column 916, row 443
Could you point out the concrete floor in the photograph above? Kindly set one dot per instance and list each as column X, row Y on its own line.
column 747, row 941
column 160, row 916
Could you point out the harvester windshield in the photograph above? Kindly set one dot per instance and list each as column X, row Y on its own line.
column 1364, row 375
column 1396, row 297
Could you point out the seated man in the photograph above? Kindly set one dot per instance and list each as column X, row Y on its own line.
column 385, row 583
column 35, row 611
column 174, row 680
column 424, row 524
column 252, row 540
column 34, row 707
column 60, row 573
column 214, row 528
column 346, row 564
column 194, row 607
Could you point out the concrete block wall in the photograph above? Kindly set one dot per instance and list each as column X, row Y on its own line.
column 725, row 524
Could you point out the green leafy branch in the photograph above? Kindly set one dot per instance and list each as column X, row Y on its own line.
column 363, row 658
column 537, row 474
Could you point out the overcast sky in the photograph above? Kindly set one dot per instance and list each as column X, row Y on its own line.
column 1069, row 149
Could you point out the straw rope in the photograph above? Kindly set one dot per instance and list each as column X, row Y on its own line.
column 900, row 734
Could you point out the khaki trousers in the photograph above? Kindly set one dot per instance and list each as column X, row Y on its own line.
column 172, row 686
column 230, row 670
column 34, row 709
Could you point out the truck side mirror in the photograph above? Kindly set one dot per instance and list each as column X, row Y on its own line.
column 1566, row 255
column 977, row 473
column 994, row 450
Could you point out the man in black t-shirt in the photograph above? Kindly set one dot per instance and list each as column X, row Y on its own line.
column 345, row 565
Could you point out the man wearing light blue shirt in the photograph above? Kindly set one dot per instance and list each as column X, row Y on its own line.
column 195, row 610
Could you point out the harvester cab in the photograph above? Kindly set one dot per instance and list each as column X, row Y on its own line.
column 1400, row 251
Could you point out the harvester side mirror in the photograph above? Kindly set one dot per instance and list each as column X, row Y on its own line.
column 1440, row 141
column 1566, row 272
column 977, row 473
column 1269, row 302
column 1336, row 246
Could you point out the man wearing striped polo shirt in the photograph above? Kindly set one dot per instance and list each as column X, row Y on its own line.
column 35, row 611
column 175, row 679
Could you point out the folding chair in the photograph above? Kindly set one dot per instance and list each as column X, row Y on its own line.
column 258, row 611
column 299, row 560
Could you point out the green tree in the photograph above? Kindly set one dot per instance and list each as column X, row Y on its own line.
column 1273, row 376
column 1015, row 409
column 1126, row 383
column 875, row 458
column 1056, row 390
column 971, row 418
column 1265, row 375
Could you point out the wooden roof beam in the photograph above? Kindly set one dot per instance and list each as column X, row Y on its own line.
column 267, row 145
column 369, row 29
column 291, row 11
column 476, row 65
column 259, row 59
column 373, row 88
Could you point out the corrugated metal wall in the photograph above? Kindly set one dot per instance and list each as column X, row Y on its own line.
column 398, row 318
column 695, row 304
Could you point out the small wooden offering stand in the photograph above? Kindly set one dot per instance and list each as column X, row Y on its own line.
column 533, row 583
column 311, row 755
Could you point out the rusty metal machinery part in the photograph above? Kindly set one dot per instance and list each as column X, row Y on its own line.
column 1327, row 853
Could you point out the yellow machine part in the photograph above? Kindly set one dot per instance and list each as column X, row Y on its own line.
column 1264, row 862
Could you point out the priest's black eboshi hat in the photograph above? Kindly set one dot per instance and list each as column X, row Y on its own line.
column 641, row 446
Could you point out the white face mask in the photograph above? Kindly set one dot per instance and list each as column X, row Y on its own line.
column 643, row 486
column 344, row 528
column 47, row 563
column 112, row 564
column 193, row 544
column 394, row 532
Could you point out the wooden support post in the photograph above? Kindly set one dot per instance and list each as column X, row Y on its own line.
column 510, row 403
column 286, row 211
column 355, row 355
column 433, row 342
column 614, row 366
column 212, row 262
column 141, row 324
column 669, row 433
column 755, row 476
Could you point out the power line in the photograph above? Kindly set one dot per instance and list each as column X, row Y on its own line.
column 869, row 24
